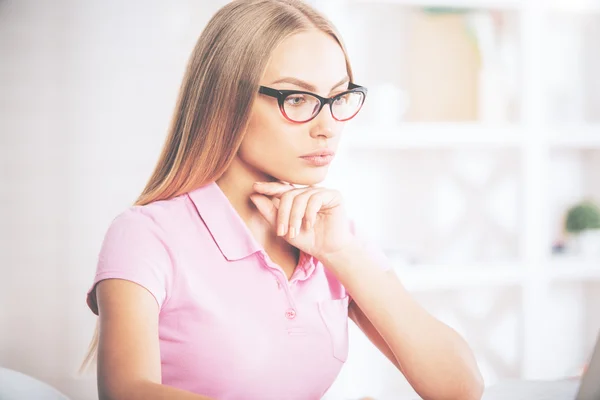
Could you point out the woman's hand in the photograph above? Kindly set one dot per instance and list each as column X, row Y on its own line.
column 311, row 218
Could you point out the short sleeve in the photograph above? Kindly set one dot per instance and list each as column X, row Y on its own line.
column 134, row 249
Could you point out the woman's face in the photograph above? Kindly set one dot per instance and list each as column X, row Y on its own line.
column 311, row 61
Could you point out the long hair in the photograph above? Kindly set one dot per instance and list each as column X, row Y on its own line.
column 217, row 92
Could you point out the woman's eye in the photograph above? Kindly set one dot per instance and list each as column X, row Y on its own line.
column 295, row 100
column 340, row 100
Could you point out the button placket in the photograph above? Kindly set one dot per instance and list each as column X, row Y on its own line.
column 290, row 312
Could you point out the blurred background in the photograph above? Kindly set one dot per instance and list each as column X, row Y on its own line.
column 475, row 164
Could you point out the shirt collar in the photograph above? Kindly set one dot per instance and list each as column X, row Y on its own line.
column 230, row 233
column 227, row 228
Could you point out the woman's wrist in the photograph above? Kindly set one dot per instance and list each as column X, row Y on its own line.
column 343, row 257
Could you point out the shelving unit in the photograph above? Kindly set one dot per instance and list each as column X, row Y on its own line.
column 531, row 135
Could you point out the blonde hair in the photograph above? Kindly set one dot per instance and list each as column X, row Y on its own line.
column 216, row 95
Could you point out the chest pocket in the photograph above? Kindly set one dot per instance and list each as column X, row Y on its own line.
column 335, row 316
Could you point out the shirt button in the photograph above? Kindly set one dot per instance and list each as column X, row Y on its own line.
column 290, row 313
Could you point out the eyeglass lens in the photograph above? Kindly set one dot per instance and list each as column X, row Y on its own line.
column 302, row 107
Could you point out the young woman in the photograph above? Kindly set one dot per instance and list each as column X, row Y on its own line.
column 234, row 275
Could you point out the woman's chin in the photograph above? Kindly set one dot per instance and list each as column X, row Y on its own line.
column 307, row 179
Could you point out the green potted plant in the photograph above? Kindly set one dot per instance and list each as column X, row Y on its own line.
column 583, row 224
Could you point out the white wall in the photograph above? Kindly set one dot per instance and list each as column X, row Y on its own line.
column 34, row 190
column 87, row 90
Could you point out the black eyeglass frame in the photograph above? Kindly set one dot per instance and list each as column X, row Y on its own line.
column 281, row 95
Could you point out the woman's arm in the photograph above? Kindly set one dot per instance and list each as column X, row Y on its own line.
column 128, row 350
column 362, row 321
column 435, row 360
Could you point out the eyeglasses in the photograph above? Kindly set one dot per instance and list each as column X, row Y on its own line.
column 299, row 106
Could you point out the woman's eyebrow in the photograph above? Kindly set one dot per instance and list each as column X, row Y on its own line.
column 306, row 85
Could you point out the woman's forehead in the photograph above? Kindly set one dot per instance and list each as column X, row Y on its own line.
column 313, row 57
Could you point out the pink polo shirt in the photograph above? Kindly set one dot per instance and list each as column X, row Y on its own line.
column 230, row 324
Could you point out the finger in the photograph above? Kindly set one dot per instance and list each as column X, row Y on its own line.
column 283, row 213
column 276, row 189
column 314, row 205
column 276, row 202
column 266, row 208
column 298, row 210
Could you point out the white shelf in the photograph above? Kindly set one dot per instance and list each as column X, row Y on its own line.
column 555, row 6
column 472, row 4
column 587, row 137
column 575, row 7
column 426, row 277
column 447, row 277
column 573, row 268
column 431, row 135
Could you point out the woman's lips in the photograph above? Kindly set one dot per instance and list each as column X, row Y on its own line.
column 318, row 160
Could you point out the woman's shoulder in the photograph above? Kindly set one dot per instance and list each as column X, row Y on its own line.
column 160, row 214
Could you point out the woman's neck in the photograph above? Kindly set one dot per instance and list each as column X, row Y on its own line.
column 237, row 185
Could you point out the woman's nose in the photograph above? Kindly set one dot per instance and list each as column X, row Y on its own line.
column 324, row 124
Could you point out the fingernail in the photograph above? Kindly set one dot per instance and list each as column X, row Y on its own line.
column 292, row 233
column 280, row 230
column 308, row 225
